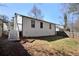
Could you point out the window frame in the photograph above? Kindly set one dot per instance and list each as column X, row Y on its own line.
column 41, row 24
column 32, row 23
column 50, row 26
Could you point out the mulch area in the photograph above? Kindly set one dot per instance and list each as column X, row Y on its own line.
column 26, row 47
column 41, row 49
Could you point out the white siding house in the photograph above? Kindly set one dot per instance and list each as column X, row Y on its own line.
column 3, row 27
column 32, row 27
column 59, row 27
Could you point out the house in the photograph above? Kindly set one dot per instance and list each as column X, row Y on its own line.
column 59, row 27
column 32, row 27
column 3, row 26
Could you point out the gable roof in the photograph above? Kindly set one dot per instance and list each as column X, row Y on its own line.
column 35, row 18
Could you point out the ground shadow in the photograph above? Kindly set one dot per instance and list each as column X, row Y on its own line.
column 3, row 37
column 8, row 48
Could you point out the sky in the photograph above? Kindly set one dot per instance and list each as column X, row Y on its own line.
column 51, row 11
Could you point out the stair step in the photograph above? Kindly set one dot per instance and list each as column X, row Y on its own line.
column 13, row 35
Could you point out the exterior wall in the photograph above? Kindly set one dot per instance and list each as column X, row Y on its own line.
column 59, row 28
column 18, row 22
column 28, row 31
column 5, row 27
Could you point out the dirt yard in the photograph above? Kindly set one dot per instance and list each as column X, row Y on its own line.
column 49, row 46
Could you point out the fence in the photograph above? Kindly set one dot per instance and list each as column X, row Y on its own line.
column 73, row 34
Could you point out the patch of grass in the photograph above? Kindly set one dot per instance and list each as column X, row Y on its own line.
column 66, row 46
column 71, row 43
column 65, row 41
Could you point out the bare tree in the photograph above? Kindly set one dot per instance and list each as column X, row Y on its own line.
column 76, row 25
column 64, row 11
column 73, row 11
column 4, row 18
column 73, row 8
column 65, row 21
column 36, row 12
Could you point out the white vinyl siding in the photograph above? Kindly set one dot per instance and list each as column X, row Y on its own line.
column 28, row 31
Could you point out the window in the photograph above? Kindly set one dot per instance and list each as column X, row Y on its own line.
column 33, row 23
column 41, row 24
column 50, row 26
